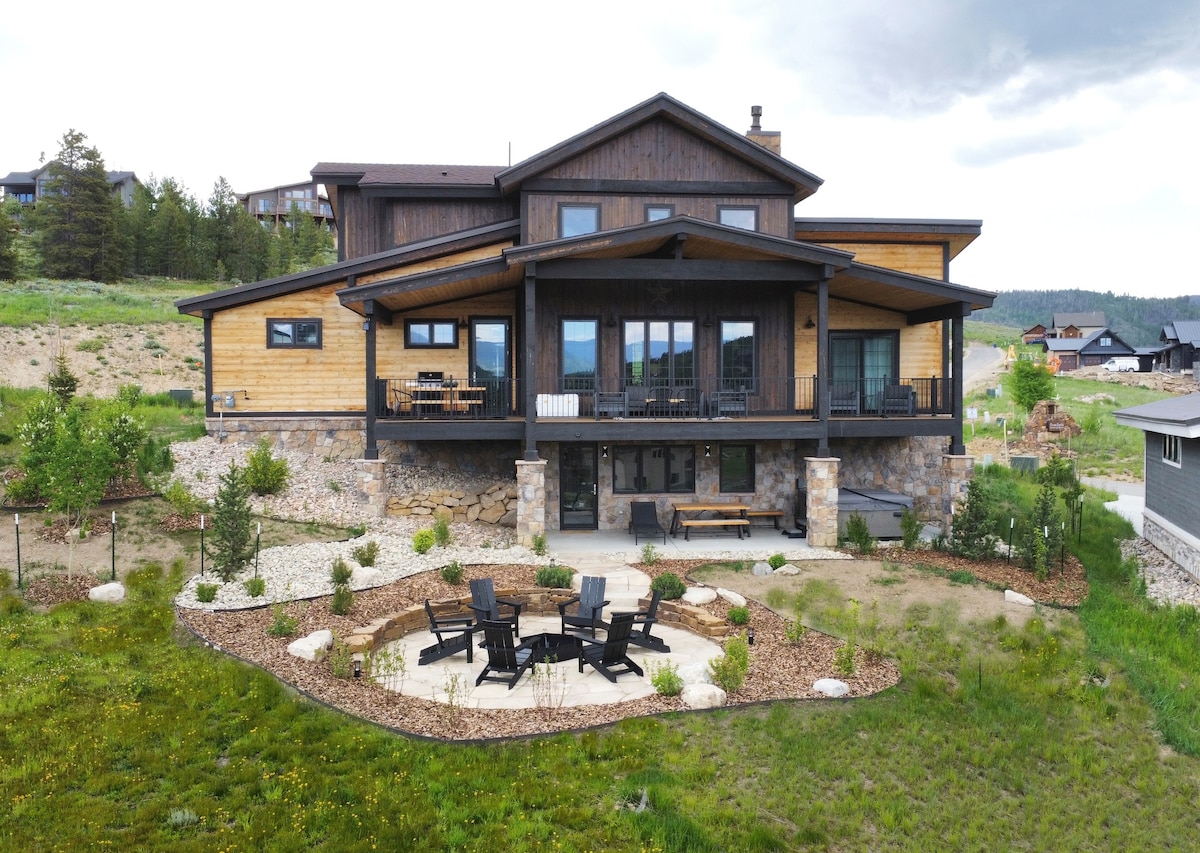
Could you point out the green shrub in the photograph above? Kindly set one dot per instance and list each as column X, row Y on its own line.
column 539, row 545
column 910, row 528
column 554, row 577
column 775, row 561
column 452, row 573
column 739, row 615
column 365, row 555
column 357, row 530
column 423, row 540
column 669, row 586
column 858, row 533
column 441, row 528
column 206, row 592
column 729, row 672
column 282, row 624
column 265, row 474
column 649, row 554
column 181, row 499
column 11, row 605
column 843, row 658
column 339, row 572
column 341, row 660
column 794, row 631
column 666, row 679
column 970, row 532
column 255, row 587
column 343, row 600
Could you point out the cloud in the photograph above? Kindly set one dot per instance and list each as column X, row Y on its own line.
column 995, row 151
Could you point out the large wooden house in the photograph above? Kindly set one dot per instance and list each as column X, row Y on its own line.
column 634, row 313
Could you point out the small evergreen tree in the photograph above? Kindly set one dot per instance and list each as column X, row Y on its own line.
column 232, row 544
column 62, row 381
column 1043, row 532
column 9, row 262
column 970, row 533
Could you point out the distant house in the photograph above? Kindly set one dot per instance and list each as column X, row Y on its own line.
column 1034, row 335
column 1180, row 339
column 1080, row 324
column 273, row 205
column 28, row 187
column 1172, row 513
column 1095, row 349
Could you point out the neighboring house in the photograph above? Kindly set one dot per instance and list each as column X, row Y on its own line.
column 634, row 313
column 1095, row 349
column 1172, row 514
column 1180, row 340
column 28, row 187
column 1035, row 335
column 273, row 205
column 1082, row 324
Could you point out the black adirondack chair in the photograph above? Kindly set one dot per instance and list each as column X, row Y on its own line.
column 453, row 635
column 611, row 657
column 643, row 521
column 647, row 619
column 507, row 661
column 487, row 606
column 589, row 603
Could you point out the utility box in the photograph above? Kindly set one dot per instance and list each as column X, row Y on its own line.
column 230, row 399
column 1026, row 464
column 181, row 396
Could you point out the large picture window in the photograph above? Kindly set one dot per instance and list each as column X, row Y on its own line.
column 298, row 334
column 737, row 355
column 737, row 468
column 580, row 354
column 865, row 362
column 430, row 334
column 659, row 468
column 660, row 352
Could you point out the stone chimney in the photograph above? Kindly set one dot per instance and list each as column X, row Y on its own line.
column 769, row 139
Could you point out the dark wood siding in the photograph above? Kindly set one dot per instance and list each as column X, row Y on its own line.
column 424, row 219
column 1171, row 491
column 618, row 211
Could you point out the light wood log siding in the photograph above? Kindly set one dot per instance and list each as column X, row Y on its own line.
column 280, row 379
column 413, row 220
column 393, row 361
column 479, row 254
column 541, row 223
column 920, row 346
column 925, row 259
column 685, row 300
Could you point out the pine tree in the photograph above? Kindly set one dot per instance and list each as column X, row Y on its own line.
column 76, row 216
column 1044, row 526
column 970, row 535
column 231, row 547
column 8, row 247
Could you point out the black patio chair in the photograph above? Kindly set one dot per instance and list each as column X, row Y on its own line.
column 647, row 619
column 487, row 606
column 507, row 661
column 643, row 521
column 611, row 657
column 453, row 635
column 589, row 603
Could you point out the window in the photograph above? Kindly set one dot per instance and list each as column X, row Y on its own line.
column 430, row 334
column 864, row 361
column 575, row 219
column 739, row 217
column 1171, row 450
column 660, row 352
column 580, row 354
column 737, row 468
column 664, row 468
column 298, row 334
column 655, row 212
column 1106, row 342
column 737, row 355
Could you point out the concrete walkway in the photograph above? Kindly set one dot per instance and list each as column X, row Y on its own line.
column 1130, row 502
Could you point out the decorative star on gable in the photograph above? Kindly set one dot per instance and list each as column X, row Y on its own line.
column 659, row 294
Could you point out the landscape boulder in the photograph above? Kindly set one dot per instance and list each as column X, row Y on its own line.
column 109, row 592
column 1014, row 597
column 736, row 599
column 699, row 595
column 313, row 647
column 761, row 569
column 831, row 687
column 365, row 577
column 787, row 569
column 703, row 696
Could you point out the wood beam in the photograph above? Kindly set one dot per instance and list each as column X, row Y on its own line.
column 672, row 269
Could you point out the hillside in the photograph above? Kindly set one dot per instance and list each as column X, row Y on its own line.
column 1137, row 320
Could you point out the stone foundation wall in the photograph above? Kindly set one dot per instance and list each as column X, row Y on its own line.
column 341, row 438
column 1184, row 553
column 910, row 466
column 495, row 505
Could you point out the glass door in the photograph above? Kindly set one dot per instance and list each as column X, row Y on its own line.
column 578, row 490
column 491, row 355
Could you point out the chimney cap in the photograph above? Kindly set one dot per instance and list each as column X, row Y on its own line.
column 755, row 115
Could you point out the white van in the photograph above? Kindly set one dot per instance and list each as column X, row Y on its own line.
column 1122, row 364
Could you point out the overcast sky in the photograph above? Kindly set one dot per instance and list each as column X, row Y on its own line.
column 1070, row 127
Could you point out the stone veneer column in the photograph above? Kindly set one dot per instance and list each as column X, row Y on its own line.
column 531, row 500
column 372, row 486
column 821, row 476
column 956, row 473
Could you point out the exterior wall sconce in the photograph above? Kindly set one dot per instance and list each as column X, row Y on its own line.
column 367, row 325
column 611, row 322
column 707, row 451
column 604, row 451
column 809, row 324
column 708, row 322
column 462, row 323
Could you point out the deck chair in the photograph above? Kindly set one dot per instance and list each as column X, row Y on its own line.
column 487, row 606
column 611, row 657
column 658, row 401
column 453, row 634
column 507, row 661
column 643, row 521
column 589, row 603
column 647, row 619
column 687, row 402
column 843, row 398
column 897, row 400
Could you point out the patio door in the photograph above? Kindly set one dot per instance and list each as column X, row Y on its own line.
column 491, row 355
column 578, row 493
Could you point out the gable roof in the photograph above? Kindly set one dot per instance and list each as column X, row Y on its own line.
column 955, row 233
column 1173, row 416
column 1079, row 319
column 408, row 179
column 1183, row 331
column 663, row 106
column 1080, row 344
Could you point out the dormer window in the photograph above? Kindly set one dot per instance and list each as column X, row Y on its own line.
column 738, row 217
column 576, row 219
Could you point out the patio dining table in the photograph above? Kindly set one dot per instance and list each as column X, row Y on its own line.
column 695, row 511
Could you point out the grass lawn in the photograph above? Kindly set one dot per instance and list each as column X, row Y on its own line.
column 136, row 301
column 117, row 731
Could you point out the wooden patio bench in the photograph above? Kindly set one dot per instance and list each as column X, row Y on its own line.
column 737, row 523
column 773, row 514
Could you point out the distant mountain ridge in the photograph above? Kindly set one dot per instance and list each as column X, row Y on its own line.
column 1136, row 320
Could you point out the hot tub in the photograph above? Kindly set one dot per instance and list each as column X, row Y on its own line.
column 881, row 509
